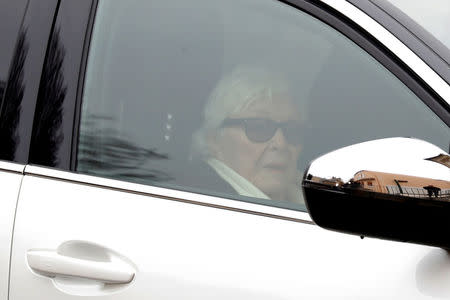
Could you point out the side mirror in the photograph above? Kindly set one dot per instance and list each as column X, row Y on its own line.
column 396, row 189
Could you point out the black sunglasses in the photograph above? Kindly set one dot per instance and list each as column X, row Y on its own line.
column 262, row 130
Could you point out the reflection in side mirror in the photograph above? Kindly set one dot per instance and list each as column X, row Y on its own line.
column 395, row 188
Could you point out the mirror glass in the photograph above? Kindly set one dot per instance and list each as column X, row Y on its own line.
column 403, row 167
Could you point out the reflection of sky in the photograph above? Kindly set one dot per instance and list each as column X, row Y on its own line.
column 433, row 15
column 394, row 155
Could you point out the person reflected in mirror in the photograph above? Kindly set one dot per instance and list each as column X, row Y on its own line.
column 432, row 190
column 250, row 135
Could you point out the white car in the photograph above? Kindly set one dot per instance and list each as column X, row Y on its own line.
column 198, row 149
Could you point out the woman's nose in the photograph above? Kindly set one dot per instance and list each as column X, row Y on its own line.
column 278, row 139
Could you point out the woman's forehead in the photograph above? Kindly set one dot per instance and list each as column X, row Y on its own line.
column 277, row 107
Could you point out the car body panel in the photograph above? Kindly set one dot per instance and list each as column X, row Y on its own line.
column 10, row 179
column 193, row 251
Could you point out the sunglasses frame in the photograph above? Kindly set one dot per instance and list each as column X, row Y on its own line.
column 284, row 126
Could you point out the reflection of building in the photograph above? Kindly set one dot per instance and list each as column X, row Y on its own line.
column 334, row 181
column 443, row 159
column 398, row 184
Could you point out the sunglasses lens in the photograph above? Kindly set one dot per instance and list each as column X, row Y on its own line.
column 260, row 131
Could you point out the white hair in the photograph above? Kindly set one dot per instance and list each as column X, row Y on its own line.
column 235, row 93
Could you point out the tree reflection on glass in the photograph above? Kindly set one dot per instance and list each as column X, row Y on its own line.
column 2, row 89
column 104, row 151
column 47, row 135
column 11, row 106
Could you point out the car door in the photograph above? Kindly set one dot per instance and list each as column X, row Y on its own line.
column 119, row 200
column 10, row 173
column 10, row 178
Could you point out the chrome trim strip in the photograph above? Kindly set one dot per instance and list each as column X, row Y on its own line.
column 439, row 85
column 169, row 194
column 12, row 167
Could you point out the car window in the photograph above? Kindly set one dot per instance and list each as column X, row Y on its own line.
column 232, row 98
column 11, row 14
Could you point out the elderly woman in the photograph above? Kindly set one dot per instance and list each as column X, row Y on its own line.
column 250, row 135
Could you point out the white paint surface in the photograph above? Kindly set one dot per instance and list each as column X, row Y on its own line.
column 186, row 251
column 9, row 186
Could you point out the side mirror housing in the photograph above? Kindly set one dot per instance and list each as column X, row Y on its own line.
column 396, row 189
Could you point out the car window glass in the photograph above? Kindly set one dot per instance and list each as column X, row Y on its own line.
column 232, row 98
column 11, row 15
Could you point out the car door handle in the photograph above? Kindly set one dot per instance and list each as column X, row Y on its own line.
column 52, row 264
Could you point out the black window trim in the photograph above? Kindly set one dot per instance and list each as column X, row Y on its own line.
column 37, row 22
column 66, row 58
column 80, row 91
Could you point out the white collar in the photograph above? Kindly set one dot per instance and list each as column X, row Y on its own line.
column 239, row 183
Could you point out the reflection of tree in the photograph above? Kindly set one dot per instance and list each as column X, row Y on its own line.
column 11, row 106
column 333, row 181
column 47, row 135
column 2, row 89
column 102, row 151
